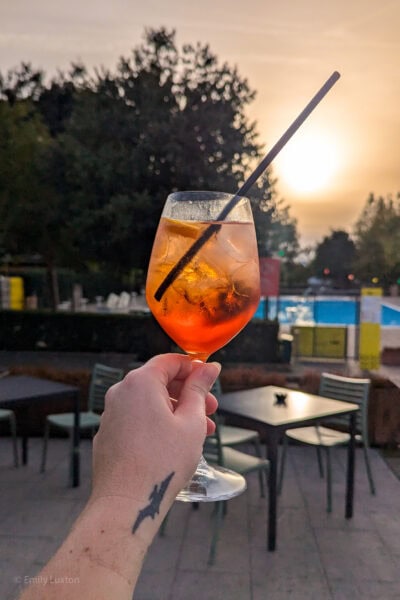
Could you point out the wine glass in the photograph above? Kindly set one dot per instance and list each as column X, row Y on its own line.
column 203, row 286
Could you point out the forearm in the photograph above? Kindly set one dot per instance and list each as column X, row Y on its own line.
column 143, row 454
column 101, row 557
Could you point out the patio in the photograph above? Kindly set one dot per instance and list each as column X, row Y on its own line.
column 319, row 556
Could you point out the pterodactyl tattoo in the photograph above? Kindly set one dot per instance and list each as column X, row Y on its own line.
column 152, row 509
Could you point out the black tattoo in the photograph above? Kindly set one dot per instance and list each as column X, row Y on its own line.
column 152, row 509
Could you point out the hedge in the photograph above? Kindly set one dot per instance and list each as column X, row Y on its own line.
column 139, row 335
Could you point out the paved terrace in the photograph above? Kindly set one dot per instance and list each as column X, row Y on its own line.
column 319, row 556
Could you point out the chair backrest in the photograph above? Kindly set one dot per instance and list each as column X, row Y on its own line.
column 212, row 449
column 217, row 391
column 348, row 389
column 216, row 388
column 103, row 377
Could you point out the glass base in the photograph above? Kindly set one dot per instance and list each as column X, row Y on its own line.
column 212, row 483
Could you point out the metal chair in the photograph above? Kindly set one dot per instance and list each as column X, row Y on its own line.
column 231, row 436
column 8, row 415
column 234, row 436
column 240, row 462
column 103, row 377
column 347, row 389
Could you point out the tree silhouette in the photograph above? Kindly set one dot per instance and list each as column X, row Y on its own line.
column 334, row 257
column 108, row 147
column 377, row 235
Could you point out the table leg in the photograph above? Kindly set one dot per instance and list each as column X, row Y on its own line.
column 24, row 449
column 272, row 454
column 351, row 458
column 75, row 444
column 22, row 419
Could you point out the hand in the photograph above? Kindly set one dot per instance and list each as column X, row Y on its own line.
column 144, row 437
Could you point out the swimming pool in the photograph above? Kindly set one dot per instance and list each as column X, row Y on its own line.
column 324, row 310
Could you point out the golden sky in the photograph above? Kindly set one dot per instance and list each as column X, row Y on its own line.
column 350, row 145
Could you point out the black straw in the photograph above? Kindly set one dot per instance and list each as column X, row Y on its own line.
column 258, row 171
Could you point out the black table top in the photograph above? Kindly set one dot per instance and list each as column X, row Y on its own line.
column 17, row 388
column 260, row 404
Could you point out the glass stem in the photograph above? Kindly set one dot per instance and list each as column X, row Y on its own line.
column 198, row 356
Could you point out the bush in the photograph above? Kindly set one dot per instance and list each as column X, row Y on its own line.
column 391, row 356
column 82, row 332
column 310, row 381
column 256, row 343
column 241, row 378
column 139, row 335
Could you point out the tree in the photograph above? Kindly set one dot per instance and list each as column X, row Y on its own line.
column 167, row 119
column 117, row 143
column 377, row 235
column 276, row 230
column 334, row 257
column 32, row 218
column 22, row 83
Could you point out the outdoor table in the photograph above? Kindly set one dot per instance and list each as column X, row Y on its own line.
column 260, row 408
column 23, row 392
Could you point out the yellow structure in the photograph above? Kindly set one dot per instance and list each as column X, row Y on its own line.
column 370, row 328
column 321, row 341
column 17, row 295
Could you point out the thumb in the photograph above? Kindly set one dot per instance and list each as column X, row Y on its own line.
column 196, row 387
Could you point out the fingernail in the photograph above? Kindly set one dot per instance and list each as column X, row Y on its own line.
column 215, row 371
column 209, row 371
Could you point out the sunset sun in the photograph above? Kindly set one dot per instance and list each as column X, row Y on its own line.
column 308, row 163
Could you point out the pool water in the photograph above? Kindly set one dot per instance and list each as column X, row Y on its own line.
column 323, row 310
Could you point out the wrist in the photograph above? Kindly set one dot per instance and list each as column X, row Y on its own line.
column 143, row 508
column 102, row 540
column 112, row 518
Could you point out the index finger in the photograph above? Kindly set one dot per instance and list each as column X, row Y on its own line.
column 169, row 367
column 196, row 389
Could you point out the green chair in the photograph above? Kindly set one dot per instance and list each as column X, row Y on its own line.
column 231, row 436
column 103, row 377
column 8, row 415
column 241, row 462
column 347, row 389
column 234, row 436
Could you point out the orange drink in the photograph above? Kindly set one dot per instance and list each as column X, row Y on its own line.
column 203, row 286
column 216, row 294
